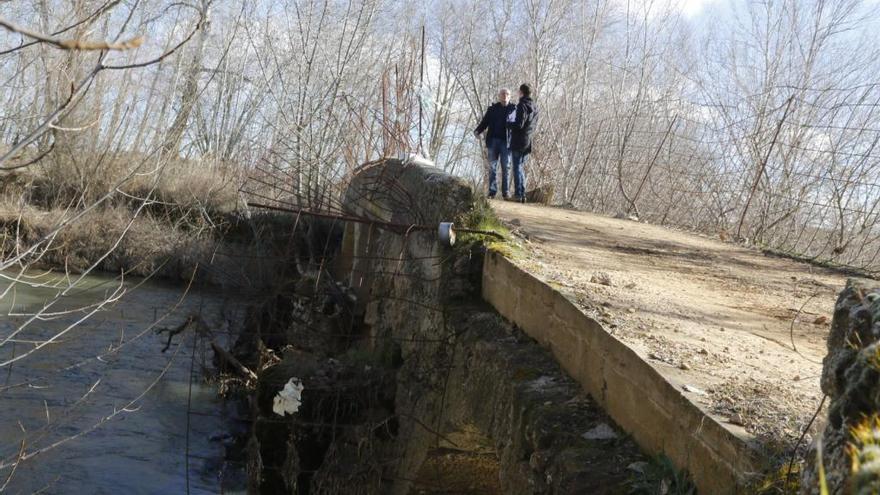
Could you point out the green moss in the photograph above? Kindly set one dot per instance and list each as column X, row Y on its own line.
column 556, row 285
column 779, row 481
column 482, row 217
column 864, row 455
column 871, row 357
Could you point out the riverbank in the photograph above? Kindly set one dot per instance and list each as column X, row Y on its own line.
column 186, row 224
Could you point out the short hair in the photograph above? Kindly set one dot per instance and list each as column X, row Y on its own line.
column 503, row 90
column 525, row 89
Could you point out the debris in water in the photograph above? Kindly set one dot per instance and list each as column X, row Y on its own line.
column 289, row 398
column 601, row 432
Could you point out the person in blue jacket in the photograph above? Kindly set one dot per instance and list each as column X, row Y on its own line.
column 498, row 140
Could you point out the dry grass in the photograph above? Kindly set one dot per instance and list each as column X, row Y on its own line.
column 176, row 230
column 175, row 184
column 136, row 245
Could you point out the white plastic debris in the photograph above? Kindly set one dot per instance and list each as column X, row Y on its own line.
column 289, row 398
column 600, row 432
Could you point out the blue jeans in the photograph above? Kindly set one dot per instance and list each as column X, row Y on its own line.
column 498, row 150
column 519, row 173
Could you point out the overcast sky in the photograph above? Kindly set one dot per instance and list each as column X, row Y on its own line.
column 692, row 8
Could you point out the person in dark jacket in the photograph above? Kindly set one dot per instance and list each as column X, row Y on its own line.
column 498, row 140
column 521, row 128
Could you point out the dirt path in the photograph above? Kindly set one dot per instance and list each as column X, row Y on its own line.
column 741, row 332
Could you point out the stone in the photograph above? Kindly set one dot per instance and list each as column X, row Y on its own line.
column 692, row 389
column 601, row 278
column 850, row 378
column 542, row 195
column 736, row 419
column 600, row 432
column 626, row 216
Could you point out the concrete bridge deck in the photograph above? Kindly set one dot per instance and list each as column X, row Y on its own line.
column 739, row 333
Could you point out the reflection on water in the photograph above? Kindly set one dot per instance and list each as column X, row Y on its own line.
column 77, row 392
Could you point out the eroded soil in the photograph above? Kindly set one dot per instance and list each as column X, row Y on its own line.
column 464, row 473
column 741, row 332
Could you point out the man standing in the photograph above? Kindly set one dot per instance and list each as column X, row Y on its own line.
column 497, row 140
column 521, row 128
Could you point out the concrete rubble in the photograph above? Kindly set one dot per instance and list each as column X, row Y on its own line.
column 849, row 447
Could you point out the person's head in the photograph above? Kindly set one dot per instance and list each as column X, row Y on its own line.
column 504, row 96
column 525, row 91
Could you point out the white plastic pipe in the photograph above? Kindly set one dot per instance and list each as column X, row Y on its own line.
column 446, row 233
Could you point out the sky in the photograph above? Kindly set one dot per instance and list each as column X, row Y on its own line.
column 693, row 8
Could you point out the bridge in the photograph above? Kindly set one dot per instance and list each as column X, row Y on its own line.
column 706, row 351
column 568, row 355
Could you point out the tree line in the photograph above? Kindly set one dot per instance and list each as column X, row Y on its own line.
column 758, row 124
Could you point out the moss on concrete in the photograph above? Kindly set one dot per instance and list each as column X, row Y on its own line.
column 864, row 455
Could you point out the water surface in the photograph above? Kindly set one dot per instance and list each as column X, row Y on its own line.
column 124, row 416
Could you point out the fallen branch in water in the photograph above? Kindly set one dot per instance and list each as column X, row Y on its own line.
column 224, row 355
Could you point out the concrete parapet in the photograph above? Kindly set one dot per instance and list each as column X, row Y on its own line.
column 649, row 406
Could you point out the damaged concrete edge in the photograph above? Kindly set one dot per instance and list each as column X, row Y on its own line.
column 642, row 401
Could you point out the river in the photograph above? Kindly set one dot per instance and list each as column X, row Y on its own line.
column 102, row 409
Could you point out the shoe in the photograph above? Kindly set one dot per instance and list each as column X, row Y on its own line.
column 522, row 199
column 491, row 196
column 506, row 198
